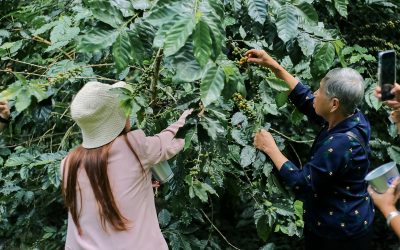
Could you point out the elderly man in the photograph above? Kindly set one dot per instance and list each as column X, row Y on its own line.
column 4, row 114
column 338, row 212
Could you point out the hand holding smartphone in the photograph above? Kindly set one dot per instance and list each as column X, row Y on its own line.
column 387, row 73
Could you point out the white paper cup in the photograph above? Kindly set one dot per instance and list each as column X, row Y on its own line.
column 162, row 172
column 381, row 177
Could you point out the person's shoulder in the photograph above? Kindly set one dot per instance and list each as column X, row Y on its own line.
column 136, row 133
column 339, row 140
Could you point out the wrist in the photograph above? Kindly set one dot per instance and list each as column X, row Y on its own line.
column 387, row 210
column 391, row 216
column 5, row 120
column 276, row 68
column 270, row 150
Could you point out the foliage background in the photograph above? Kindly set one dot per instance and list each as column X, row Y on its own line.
column 177, row 54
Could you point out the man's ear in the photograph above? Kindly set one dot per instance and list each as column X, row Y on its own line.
column 335, row 104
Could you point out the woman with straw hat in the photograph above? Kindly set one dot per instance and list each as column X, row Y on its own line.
column 106, row 181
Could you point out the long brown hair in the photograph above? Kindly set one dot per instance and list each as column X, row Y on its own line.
column 94, row 161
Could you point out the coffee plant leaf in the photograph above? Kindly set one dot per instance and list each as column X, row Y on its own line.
column 97, row 39
column 307, row 12
column 277, row 84
column 281, row 99
column 287, row 23
column 164, row 217
column 394, row 153
column 121, row 51
column 269, row 246
column 257, row 10
column 141, row 37
column 323, row 58
column 217, row 6
column 163, row 11
column 370, row 98
column 178, row 35
column 341, row 7
column 213, row 127
column 247, row 156
column 263, row 228
column 306, row 43
column 141, row 4
column 127, row 7
column 63, row 32
column 214, row 23
column 239, row 118
column 212, row 84
column 106, row 12
column 202, row 43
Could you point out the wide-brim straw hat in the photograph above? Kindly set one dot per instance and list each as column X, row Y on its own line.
column 97, row 111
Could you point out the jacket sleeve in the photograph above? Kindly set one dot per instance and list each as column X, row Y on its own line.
column 162, row 146
column 319, row 173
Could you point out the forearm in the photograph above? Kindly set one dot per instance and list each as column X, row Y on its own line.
column 395, row 222
column 277, row 157
column 281, row 73
column 2, row 125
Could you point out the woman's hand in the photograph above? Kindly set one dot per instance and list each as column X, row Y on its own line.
column 4, row 110
column 185, row 114
column 386, row 202
column 262, row 58
column 155, row 184
column 264, row 141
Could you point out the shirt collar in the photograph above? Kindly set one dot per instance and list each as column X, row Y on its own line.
column 350, row 122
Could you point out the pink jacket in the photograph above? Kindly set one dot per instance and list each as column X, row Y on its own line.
column 132, row 192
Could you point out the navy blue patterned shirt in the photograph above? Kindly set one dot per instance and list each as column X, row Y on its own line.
column 331, row 185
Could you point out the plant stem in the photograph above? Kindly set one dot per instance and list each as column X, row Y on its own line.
column 288, row 138
column 42, row 40
column 212, row 224
column 30, row 64
column 154, row 80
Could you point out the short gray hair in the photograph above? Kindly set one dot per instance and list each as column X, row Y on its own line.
column 347, row 85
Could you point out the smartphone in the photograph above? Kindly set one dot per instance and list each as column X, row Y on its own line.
column 387, row 72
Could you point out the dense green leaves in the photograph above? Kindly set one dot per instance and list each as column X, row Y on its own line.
column 62, row 34
column 22, row 93
column 323, row 58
